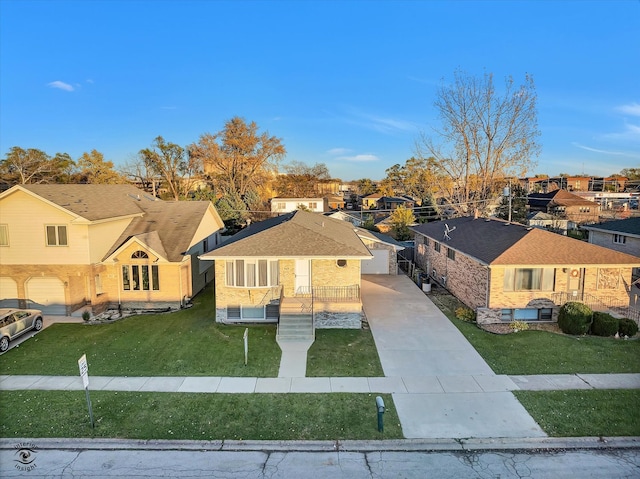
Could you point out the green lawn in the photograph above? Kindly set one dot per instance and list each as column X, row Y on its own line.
column 343, row 352
column 135, row 415
column 584, row 412
column 541, row 352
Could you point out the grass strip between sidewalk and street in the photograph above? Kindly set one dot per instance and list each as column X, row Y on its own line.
column 152, row 415
column 594, row 412
column 543, row 352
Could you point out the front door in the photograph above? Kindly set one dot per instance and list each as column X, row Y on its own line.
column 574, row 283
column 303, row 275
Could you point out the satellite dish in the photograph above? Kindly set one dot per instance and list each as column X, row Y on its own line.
column 448, row 230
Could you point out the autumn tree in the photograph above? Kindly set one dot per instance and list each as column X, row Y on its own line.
column 171, row 162
column 238, row 158
column 22, row 166
column 401, row 218
column 365, row 187
column 483, row 137
column 415, row 178
column 516, row 209
column 95, row 170
column 63, row 169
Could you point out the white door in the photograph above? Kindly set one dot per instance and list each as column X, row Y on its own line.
column 46, row 294
column 8, row 292
column 303, row 274
column 379, row 264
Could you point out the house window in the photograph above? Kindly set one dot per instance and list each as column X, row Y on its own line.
column 451, row 254
column 619, row 239
column 525, row 314
column 245, row 312
column 426, row 241
column 140, row 277
column 529, row 279
column 313, row 205
column 252, row 273
column 4, row 235
column 341, row 263
column 139, row 255
column 436, row 246
column 56, row 235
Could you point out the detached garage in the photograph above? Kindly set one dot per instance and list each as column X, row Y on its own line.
column 384, row 250
column 46, row 294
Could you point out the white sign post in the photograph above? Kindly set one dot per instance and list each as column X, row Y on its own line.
column 84, row 374
column 246, row 345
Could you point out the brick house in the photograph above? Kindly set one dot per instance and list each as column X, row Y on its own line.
column 302, row 267
column 66, row 247
column 506, row 271
column 565, row 205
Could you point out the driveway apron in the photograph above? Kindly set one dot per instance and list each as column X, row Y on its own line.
column 451, row 391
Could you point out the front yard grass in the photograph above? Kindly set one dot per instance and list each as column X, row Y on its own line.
column 541, row 352
column 604, row 412
column 343, row 352
column 135, row 415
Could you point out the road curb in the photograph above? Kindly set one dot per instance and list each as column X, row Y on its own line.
column 409, row 445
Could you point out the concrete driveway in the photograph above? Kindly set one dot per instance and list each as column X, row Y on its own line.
column 451, row 391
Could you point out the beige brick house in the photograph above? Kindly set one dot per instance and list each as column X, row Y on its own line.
column 66, row 247
column 299, row 266
column 506, row 271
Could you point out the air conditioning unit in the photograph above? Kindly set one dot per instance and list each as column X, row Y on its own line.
column 443, row 280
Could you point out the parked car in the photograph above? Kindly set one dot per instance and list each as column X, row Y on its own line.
column 16, row 322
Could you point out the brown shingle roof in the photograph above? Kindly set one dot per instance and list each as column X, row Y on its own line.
column 93, row 202
column 294, row 235
column 498, row 242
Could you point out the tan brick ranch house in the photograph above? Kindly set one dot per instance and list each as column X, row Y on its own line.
column 507, row 271
column 65, row 247
column 300, row 269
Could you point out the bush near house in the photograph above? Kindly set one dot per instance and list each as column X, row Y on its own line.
column 575, row 318
column 466, row 314
column 604, row 324
column 627, row 327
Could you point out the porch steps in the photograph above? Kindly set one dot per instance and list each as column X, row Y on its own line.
column 296, row 321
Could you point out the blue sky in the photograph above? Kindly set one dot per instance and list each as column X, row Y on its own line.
column 348, row 84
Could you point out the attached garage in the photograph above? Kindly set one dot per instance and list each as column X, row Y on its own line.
column 379, row 264
column 46, row 294
column 8, row 293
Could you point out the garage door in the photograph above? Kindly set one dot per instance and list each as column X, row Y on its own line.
column 8, row 293
column 46, row 294
column 379, row 264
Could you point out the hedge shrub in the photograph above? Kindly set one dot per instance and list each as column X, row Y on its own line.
column 466, row 314
column 604, row 324
column 627, row 327
column 574, row 318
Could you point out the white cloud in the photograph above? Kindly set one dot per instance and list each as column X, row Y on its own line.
column 630, row 109
column 360, row 158
column 595, row 150
column 338, row 151
column 61, row 85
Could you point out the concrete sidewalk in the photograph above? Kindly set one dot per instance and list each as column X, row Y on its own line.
column 392, row 385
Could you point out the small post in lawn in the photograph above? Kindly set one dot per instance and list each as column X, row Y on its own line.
column 380, row 408
column 84, row 373
column 246, row 345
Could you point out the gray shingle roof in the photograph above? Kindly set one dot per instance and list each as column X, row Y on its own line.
column 294, row 235
column 629, row 226
column 498, row 242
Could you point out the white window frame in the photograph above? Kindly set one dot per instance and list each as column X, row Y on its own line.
column 56, row 235
column 4, row 235
column 619, row 239
column 252, row 273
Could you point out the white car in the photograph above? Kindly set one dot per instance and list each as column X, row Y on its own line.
column 16, row 322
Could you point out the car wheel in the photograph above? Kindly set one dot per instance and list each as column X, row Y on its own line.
column 38, row 324
column 4, row 344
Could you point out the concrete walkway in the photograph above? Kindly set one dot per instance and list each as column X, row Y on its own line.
column 416, row 341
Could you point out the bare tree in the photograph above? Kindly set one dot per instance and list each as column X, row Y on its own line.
column 26, row 166
column 483, row 136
